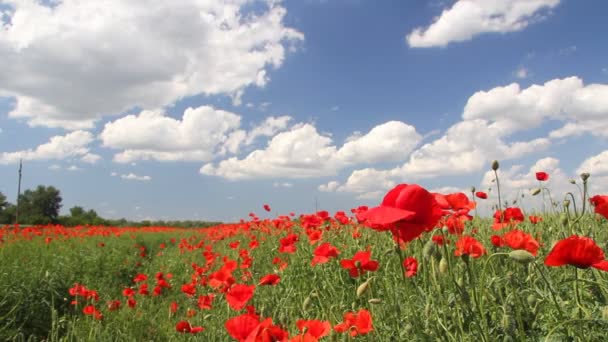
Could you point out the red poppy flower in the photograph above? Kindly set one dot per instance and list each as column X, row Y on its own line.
column 411, row 266
column 114, row 305
column 238, row 295
column 601, row 205
column 189, row 289
column 581, row 252
column 311, row 330
column 497, row 241
column 266, row 207
column 131, row 302
column 266, row 331
column 542, row 176
column 360, row 262
column 323, row 253
column 140, row 277
column 407, row 210
column 481, row 194
column 468, row 245
column 205, row 302
column 516, row 239
column 92, row 311
column 185, row 327
column 535, row 219
column 270, row 279
column 359, row 323
column 240, row 327
column 439, row 240
column 173, row 307
column 288, row 244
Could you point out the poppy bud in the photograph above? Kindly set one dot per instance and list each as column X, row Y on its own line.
column 306, row 303
column 531, row 300
column 363, row 288
column 521, row 255
column 443, row 265
column 375, row 301
column 536, row 191
column 507, row 322
column 495, row 165
column 472, row 189
column 585, row 176
column 429, row 249
column 572, row 181
column 566, row 203
column 563, row 219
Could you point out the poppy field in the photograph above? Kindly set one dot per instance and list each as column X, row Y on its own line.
column 420, row 266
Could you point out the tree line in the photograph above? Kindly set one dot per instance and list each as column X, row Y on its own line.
column 42, row 206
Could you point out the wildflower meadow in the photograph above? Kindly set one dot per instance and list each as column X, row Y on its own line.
column 420, row 266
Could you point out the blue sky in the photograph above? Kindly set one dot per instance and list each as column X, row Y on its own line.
column 154, row 112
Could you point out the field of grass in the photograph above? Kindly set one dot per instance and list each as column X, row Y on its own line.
column 162, row 283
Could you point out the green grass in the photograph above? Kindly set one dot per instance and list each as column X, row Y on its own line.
column 495, row 298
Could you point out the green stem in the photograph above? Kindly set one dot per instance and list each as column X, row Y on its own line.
column 499, row 198
column 559, row 309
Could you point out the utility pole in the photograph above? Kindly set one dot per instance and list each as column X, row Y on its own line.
column 18, row 192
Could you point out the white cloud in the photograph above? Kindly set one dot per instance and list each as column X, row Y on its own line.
column 202, row 134
column 595, row 165
column 282, row 185
column 152, row 135
column 583, row 108
column 132, row 176
column 54, row 167
column 489, row 121
column 73, row 168
column 469, row 18
column 91, row 158
column 59, row 147
column 329, row 187
column 73, row 62
column 302, row 152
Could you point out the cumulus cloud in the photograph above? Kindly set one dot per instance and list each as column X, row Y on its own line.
column 469, row 18
column 132, row 176
column 490, row 119
column 595, row 165
column 72, row 62
column 59, row 147
column 200, row 135
column 302, row 152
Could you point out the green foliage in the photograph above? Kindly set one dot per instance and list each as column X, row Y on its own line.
column 40, row 206
column 468, row 298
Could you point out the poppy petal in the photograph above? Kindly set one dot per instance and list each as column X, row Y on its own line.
column 385, row 215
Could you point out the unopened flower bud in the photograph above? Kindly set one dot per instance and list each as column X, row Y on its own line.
column 521, row 255
column 495, row 165
column 536, row 191
column 375, row 301
column 572, row 181
column 443, row 265
column 531, row 299
column 585, row 176
column 363, row 288
column 472, row 189
column 566, row 203
column 563, row 219
column 306, row 303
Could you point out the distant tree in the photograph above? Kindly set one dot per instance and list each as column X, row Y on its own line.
column 5, row 210
column 40, row 206
column 3, row 202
